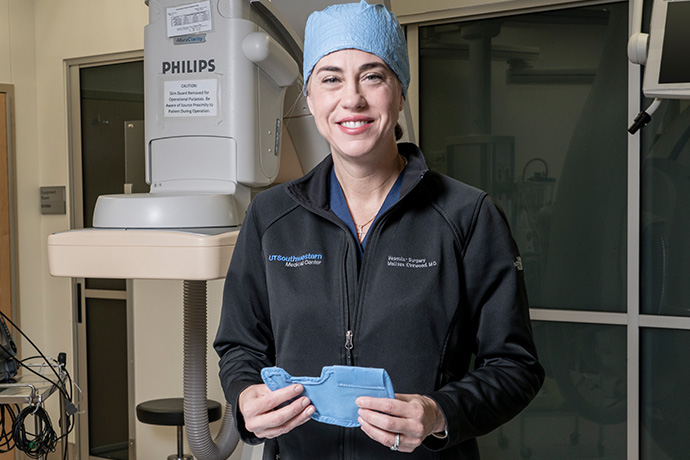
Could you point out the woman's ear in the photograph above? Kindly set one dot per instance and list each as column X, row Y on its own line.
column 309, row 103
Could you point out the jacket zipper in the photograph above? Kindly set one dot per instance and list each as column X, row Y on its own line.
column 348, row 346
column 349, row 335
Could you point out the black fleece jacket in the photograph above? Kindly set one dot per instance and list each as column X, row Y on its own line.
column 440, row 281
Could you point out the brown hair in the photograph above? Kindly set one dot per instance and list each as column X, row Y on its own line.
column 398, row 132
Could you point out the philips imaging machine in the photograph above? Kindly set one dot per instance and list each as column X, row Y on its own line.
column 217, row 73
column 667, row 71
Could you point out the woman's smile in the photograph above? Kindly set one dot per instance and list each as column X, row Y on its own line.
column 355, row 126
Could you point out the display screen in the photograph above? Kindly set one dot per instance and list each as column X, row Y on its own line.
column 675, row 52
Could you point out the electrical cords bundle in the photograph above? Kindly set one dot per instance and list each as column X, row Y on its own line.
column 6, row 439
column 34, row 445
column 46, row 438
column 70, row 408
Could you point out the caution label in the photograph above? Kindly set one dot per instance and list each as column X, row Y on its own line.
column 191, row 98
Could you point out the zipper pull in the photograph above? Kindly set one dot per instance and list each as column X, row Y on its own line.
column 348, row 340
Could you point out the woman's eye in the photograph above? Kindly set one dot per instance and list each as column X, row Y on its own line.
column 330, row 80
column 373, row 77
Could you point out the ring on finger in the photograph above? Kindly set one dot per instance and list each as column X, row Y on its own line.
column 395, row 446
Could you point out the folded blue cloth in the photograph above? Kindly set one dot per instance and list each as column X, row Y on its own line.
column 334, row 393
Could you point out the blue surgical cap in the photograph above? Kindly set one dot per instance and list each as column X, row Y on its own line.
column 361, row 26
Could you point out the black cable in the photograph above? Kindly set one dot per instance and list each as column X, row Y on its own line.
column 63, row 391
column 34, row 445
column 28, row 368
column 48, row 439
column 6, row 439
column 21, row 363
column 32, row 344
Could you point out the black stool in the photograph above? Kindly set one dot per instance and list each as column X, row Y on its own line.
column 170, row 412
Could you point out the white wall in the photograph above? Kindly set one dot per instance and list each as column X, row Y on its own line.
column 158, row 338
column 17, row 66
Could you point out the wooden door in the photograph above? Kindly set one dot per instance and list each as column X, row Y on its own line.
column 5, row 220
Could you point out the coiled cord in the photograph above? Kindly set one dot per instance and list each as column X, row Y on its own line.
column 6, row 440
column 34, row 445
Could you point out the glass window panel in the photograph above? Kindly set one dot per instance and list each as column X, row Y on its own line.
column 533, row 109
column 665, row 211
column 106, row 284
column 664, row 395
column 110, row 96
column 106, row 326
column 581, row 410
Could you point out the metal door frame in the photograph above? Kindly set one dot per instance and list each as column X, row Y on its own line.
column 79, row 292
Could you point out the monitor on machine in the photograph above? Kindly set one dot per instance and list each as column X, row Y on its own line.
column 667, row 72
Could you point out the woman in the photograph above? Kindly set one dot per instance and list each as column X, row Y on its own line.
column 372, row 260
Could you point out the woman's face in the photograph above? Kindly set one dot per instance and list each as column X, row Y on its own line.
column 356, row 100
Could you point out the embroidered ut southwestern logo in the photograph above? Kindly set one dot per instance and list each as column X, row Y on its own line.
column 297, row 261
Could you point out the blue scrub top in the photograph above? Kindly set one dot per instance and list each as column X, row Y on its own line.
column 339, row 205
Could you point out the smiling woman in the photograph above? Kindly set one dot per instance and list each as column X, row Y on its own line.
column 457, row 291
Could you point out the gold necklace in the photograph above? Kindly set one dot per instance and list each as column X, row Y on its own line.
column 360, row 228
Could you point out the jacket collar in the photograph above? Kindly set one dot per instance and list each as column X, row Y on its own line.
column 311, row 190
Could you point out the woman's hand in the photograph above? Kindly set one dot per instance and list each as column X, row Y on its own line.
column 258, row 406
column 411, row 417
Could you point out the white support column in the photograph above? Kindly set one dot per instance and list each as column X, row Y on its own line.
column 633, row 270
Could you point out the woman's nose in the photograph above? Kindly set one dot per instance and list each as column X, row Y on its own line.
column 352, row 96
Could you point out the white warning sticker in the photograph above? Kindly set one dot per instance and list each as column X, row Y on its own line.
column 189, row 19
column 191, row 98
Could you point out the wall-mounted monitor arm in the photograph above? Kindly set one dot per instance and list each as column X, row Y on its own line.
column 663, row 52
column 638, row 41
column 638, row 45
